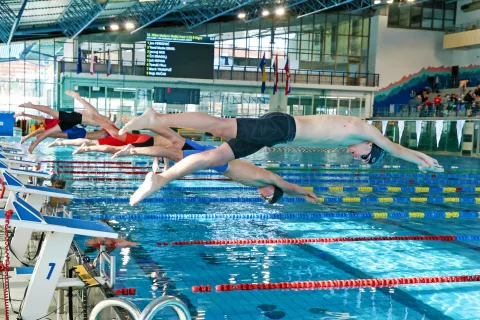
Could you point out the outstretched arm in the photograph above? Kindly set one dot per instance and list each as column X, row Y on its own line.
column 424, row 162
column 287, row 187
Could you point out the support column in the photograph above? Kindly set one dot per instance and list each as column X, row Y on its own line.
column 278, row 102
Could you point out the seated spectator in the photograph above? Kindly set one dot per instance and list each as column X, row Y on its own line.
column 437, row 100
column 477, row 92
column 454, row 98
column 469, row 97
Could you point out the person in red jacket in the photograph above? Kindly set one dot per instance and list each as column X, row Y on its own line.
column 437, row 101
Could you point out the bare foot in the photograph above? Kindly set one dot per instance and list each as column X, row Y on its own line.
column 141, row 122
column 152, row 183
column 155, row 165
column 56, row 143
column 26, row 105
column 72, row 94
column 33, row 145
column 83, row 148
column 22, row 141
column 124, row 152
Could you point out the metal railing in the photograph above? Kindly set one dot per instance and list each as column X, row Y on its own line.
column 150, row 310
column 240, row 73
column 467, row 26
column 447, row 110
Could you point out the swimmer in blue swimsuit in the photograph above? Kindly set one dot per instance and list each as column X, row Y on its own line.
column 271, row 187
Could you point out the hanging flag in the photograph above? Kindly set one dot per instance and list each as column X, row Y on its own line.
column 91, row 63
column 275, row 68
column 401, row 127
column 109, row 64
column 384, row 126
column 79, row 60
column 460, row 124
column 262, row 67
column 287, row 75
column 438, row 130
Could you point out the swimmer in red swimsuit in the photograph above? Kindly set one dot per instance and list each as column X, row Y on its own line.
column 115, row 142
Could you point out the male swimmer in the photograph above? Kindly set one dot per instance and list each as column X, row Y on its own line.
column 63, row 121
column 271, row 187
column 364, row 141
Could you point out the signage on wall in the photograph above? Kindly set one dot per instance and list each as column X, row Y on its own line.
column 179, row 56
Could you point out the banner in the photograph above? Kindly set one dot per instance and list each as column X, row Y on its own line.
column 401, row 126
column 418, row 129
column 460, row 124
column 438, row 130
column 384, row 126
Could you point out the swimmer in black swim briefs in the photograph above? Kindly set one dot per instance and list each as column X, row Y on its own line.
column 362, row 140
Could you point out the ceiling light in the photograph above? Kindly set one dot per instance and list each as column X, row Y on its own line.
column 389, row 1
column 114, row 27
column 265, row 13
column 376, row 2
column 410, row 0
column 280, row 11
column 129, row 26
column 242, row 15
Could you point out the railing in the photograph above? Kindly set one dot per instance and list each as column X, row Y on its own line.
column 240, row 73
column 467, row 26
column 150, row 310
column 447, row 110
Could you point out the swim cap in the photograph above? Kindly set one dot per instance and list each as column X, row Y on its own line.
column 277, row 195
column 377, row 154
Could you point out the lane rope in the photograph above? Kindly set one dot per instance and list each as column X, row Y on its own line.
column 293, row 216
column 337, row 284
column 322, row 240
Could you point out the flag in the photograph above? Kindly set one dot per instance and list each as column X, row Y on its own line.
column 109, row 64
column 91, row 63
column 79, row 60
column 287, row 75
column 275, row 68
column 262, row 66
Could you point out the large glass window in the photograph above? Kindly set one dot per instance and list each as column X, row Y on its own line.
column 435, row 15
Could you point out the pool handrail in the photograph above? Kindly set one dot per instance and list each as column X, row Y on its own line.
column 162, row 302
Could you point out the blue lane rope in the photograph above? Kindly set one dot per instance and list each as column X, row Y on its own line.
column 319, row 189
column 291, row 216
column 362, row 180
column 284, row 200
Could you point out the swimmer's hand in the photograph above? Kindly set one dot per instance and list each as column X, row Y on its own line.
column 435, row 168
column 307, row 194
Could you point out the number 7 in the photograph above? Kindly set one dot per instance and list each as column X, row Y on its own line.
column 52, row 266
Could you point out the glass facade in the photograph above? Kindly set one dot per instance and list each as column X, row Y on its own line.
column 28, row 72
column 325, row 41
column 435, row 15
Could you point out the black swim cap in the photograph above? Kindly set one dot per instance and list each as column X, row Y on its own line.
column 377, row 154
column 277, row 195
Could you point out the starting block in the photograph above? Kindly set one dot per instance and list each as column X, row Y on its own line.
column 45, row 277
column 35, row 196
column 23, row 174
column 13, row 163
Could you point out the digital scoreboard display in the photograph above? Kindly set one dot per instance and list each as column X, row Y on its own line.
column 179, row 56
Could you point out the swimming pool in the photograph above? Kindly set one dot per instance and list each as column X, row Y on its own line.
column 173, row 270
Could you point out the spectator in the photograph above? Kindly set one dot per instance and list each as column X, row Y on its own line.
column 477, row 92
column 469, row 97
column 413, row 94
column 437, row 101
column 428, row 89
column 454, row 98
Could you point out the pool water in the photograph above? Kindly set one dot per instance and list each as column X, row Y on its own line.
column 172, row 270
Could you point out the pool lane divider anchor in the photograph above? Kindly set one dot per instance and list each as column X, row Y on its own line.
column 338, row 284
column 322, row 240
column 126, row 291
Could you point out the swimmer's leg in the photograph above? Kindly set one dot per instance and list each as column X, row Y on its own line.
column 31, row 135
column 103, row 149
column 212, row 158
column 74, row 142
column 43, row 136
column 150, row 119
column 44, row 109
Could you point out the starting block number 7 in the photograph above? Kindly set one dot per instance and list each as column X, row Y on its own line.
column 52, row 266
